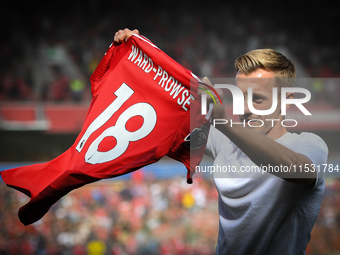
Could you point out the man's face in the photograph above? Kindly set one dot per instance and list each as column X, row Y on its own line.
column 261, row 82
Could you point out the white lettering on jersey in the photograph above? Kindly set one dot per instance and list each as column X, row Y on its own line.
column 166, row 81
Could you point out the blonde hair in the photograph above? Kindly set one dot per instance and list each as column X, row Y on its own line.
column 270, row 60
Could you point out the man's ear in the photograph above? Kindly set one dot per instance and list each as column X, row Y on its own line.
column 289, row 95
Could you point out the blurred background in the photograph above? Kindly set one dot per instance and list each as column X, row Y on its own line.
column 48, row 50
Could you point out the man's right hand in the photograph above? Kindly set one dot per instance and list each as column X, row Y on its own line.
column 122, row 35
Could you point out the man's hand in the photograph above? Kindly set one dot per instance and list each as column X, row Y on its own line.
column 219, row 111
column 122, row 35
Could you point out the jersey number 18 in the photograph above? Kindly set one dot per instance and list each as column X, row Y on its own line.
column 118, row 131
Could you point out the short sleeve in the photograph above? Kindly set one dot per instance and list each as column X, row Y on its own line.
column 216, row 142
column 316, row 150
column 209, row 149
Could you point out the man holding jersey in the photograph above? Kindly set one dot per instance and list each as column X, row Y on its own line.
column 273, row 213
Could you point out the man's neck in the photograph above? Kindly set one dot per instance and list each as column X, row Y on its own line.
column 277, row 131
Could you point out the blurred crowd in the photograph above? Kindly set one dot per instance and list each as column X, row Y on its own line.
column 204, row 39
column 326, row 232
column 139, row 216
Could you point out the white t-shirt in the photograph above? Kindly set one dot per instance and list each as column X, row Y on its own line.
column 258, row 212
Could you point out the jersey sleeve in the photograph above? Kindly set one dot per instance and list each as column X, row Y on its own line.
column 102, row 67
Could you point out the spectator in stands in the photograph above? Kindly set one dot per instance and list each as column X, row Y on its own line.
column 77, row 87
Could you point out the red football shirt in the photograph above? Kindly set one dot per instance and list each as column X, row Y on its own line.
column 140, row 112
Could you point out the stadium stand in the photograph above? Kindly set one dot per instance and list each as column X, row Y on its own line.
column 47, row 54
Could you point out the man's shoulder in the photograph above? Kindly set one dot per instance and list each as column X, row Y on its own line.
column 311, row 138
column 302, row 137
column 306, row 143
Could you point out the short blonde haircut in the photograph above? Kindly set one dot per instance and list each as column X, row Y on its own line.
column 270, row 60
